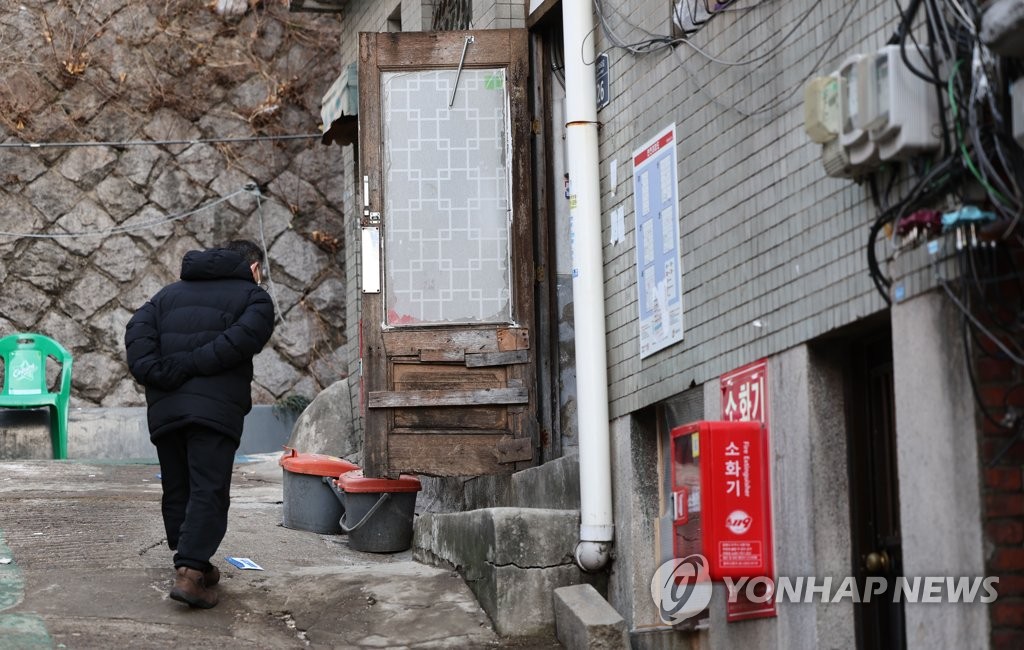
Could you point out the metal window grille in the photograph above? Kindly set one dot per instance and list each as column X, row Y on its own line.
column 450, row 15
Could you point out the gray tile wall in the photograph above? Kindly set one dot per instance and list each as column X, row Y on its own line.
column 499, row 14
column 767, row 237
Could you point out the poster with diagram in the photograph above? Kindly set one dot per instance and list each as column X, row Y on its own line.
column 658, row 261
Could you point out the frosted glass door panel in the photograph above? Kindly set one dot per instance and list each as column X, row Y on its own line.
column 446, row 197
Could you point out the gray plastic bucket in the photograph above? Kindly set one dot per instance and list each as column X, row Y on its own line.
column 377, row 513
column 379, row 522
column 308, row 503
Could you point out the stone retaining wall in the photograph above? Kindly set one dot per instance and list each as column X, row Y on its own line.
column 122, row 72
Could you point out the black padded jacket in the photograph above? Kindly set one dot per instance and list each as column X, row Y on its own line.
column 192, row 344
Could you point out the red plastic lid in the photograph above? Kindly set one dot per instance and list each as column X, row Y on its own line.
column 314, row 464
column 354, row 481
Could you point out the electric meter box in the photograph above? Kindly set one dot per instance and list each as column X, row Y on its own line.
column 835, row 160
column 898, row 109
column 823, row 123
column 821, row 108
column 721, row 497
column 862, row 151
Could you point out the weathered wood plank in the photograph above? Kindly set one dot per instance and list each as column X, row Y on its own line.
column 375, row 430
column 546, row 353
column 425, row 50
column 403, row 399
column 523, row 242
column 483, row 359
column 471, row 419
column 409, row 376
column 446, row 455
column 408, row 343
column 433, row 356
column 511, row 450
column 513, row 338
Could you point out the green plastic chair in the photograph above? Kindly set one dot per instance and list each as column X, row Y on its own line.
column 24, row 357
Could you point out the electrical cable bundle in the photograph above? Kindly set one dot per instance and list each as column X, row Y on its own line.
column 972, row 88
column 990, row 296
column 979, row 171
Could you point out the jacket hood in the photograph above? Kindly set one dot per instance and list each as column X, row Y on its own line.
column 214, row 264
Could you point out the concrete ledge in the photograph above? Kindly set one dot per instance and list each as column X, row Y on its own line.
column 121, row 433
column 512, row 559
column 521, row 537
column 489, row 491
column 554, row 485
column 585, row 621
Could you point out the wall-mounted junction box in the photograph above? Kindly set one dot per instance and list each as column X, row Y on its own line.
column 860, row 148
column 897, row 108
column 821, row 108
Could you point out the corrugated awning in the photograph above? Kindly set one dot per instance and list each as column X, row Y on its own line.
column 339, row 109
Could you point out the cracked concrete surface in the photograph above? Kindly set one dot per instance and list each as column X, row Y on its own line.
column 88, row 542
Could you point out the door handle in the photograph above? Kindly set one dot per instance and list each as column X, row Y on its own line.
column 876, row 562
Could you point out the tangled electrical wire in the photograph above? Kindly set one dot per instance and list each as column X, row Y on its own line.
column 689, row 16
column 979, row 164
column 971, row 86
column 990, row 297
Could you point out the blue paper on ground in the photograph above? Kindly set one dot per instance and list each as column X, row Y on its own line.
column 243, row 563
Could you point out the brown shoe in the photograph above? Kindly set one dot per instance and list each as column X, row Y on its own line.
column 211, row 576
column 190, row 587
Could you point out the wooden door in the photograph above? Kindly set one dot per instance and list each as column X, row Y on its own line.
column 447, row 253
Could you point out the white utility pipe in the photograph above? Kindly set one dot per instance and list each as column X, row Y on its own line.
column 596, row 528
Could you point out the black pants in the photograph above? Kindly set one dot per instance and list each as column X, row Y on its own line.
column 195, row 468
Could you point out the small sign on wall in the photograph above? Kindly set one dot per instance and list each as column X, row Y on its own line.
column 658, row 260
column 604, row 95
column 745, row 398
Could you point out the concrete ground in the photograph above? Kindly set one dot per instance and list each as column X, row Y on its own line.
column 84, row 564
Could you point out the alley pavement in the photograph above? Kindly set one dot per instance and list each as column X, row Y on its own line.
column 84, row 564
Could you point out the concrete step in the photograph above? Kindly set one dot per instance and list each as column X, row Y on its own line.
column 512, row 559
column 585, row 621
column 554, row 485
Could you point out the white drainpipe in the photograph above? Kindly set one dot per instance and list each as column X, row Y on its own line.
column 596, row 528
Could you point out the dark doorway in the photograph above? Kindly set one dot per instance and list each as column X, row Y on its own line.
column 874, row 488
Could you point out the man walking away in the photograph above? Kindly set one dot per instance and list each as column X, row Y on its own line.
column 191, row 346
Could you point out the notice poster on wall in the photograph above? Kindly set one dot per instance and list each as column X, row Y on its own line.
column 658, row 261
